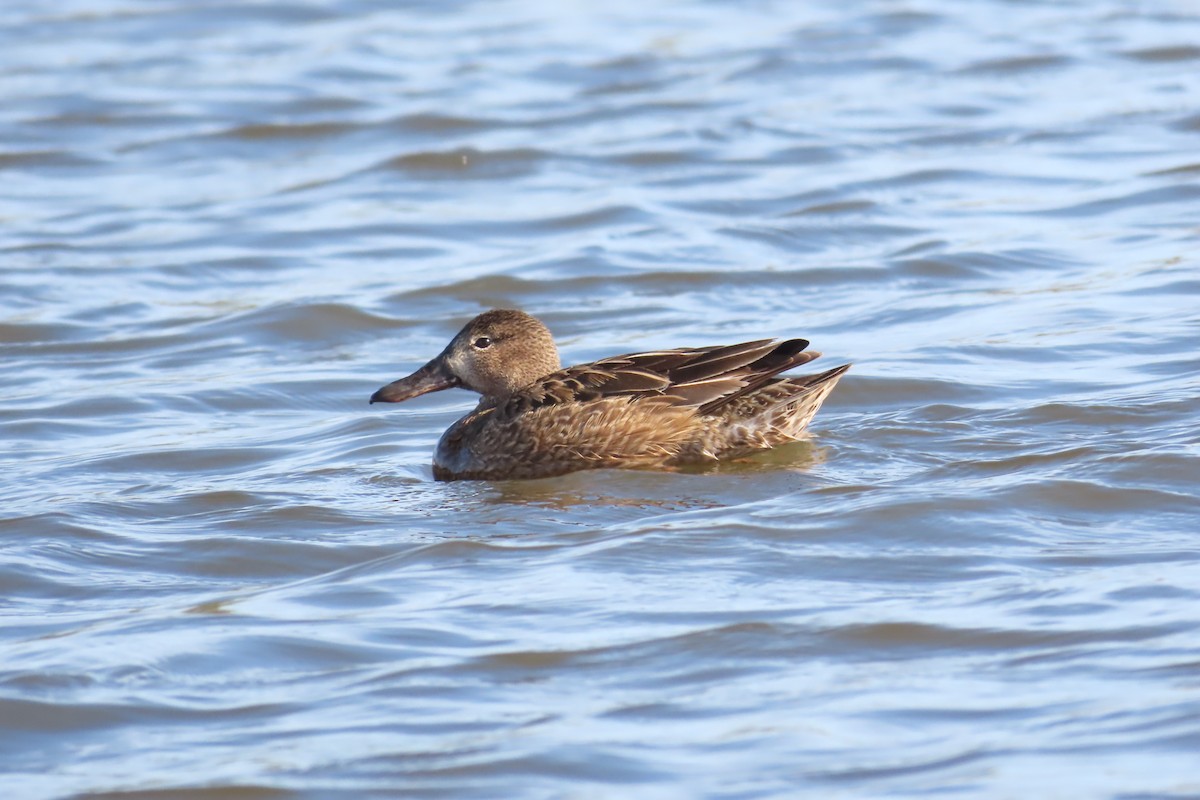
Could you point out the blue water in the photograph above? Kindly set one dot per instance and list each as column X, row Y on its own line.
column 224, row 575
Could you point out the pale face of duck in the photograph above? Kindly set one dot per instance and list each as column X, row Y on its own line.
column 495, row 354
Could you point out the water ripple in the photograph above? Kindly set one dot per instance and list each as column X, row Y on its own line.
column 223, row 574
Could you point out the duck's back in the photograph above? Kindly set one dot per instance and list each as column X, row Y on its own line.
column 660, row 409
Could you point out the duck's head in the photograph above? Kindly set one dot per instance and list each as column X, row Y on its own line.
column 495, row 354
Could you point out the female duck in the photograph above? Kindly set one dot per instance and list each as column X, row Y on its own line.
column 667, row 408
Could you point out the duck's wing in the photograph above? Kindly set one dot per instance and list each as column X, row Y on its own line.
column 704, row 377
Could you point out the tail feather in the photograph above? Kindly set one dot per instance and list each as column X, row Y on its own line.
column 780, row 411
column 791, row 417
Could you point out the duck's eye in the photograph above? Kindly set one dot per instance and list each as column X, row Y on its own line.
column 482, row 343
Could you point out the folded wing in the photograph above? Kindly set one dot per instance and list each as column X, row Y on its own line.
column 705, row 377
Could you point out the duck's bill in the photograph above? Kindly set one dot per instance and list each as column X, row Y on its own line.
column 433, row 377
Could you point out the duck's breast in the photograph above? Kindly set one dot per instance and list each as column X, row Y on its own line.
column 564, row 437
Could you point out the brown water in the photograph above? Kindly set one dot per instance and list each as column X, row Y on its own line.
column 222, row 226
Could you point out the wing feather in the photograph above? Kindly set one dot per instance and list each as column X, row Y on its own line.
column 706, row 378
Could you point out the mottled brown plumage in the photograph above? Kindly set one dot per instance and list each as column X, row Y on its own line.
column 662, row 409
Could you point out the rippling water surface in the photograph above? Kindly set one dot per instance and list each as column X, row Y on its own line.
column 222, row 226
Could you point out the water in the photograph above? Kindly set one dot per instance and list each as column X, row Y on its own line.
column 223, row 226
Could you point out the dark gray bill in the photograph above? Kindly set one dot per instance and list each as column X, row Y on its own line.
column 432, row 377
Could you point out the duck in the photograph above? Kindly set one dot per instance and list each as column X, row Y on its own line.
column 663, row 409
